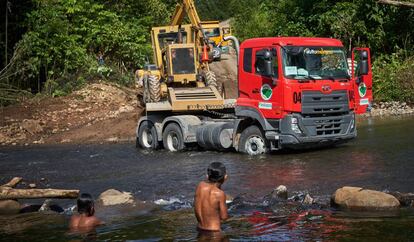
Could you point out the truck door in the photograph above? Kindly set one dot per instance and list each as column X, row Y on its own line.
column 265, row 84
column 362, row 79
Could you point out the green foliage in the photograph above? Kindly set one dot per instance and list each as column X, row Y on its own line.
column 65, row 38
column 61, row 40
column 393, row 78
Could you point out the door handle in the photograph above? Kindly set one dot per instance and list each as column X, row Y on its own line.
column 256, row 90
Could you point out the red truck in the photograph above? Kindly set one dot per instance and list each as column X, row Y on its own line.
column 294, row 92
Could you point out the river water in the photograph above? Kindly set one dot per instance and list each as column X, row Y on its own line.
column 381, row 158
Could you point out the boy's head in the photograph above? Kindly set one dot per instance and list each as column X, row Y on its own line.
column 216, row 172
column 85, row 204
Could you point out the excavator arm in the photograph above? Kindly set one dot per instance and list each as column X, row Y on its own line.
column 187, row 7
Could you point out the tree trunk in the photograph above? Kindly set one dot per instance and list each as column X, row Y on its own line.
column 13, row 182
column 397, row 3
column 10, row 193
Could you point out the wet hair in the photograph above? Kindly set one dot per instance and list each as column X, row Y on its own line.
column 85, row 204
column 216, row 172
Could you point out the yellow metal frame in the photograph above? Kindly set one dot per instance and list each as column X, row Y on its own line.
column 156, row 47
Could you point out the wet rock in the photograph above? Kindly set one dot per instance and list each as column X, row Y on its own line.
column 405, row 199
column 40, row 141
column 32, row 126
column 112, row 139
column 50, row 206
column 115, row 197
column 280, row 192
column 9, row 207
column 308, row 200
column 229, row 198
column 357, row 198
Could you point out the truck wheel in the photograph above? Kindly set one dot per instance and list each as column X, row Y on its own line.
column 252, row 141
column 154, row 87
column 211, row 79
column 173, row 138
column 147, row 136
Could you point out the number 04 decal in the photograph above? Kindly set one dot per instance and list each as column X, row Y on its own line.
column 297, row 97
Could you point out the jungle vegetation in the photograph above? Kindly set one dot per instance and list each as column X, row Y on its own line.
column 53, row 46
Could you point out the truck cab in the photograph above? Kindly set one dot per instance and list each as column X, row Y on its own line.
column 301, row 91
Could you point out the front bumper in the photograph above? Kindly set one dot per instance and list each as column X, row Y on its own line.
column 296, row 131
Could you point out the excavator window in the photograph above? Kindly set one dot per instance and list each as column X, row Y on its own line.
column 183, row 60
column 212, row 32
column 170, row 38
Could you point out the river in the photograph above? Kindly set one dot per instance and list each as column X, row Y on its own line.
column 381, row 158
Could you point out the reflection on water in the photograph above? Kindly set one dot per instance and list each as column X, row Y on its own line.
column 381, row 158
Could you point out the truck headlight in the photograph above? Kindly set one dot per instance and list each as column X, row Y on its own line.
column 295, row 126
column 352, row 126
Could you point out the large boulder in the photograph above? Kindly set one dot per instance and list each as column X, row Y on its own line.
column 357, row 198
column 9, row 207
column 115, row 197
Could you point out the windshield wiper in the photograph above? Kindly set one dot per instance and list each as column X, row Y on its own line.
column 329, row 77
column 309, row 77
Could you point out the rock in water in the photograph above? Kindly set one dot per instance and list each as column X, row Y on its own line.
column 308, row 200
column 280, row 192
column 9, row 207
column 115, row 197
column 406, row 199
column 358, row 198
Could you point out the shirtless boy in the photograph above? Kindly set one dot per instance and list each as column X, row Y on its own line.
column 85, row 221
column 210, row 201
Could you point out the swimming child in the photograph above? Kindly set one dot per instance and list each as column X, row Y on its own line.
column 85, row 221
column 210, row 201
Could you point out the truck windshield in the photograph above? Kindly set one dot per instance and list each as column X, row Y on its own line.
column 301, row 62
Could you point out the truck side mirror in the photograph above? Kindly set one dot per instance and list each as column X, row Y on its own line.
column 363, row 63
column 363, row 67
column 268, row 65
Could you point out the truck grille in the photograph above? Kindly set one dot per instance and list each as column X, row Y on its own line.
column 328, row 126
column 325, row 114
column 315, row 103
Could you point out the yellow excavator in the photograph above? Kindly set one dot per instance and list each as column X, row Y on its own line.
column 180, row 76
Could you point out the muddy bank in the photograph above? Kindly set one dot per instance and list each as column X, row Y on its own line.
column 99, row 112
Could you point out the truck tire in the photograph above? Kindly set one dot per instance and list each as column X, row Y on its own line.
column 147, row 136
column 211, row 79
column 252, row 141
column 154, row 87
column 172, row 138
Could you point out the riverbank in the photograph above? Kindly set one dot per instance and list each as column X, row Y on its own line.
column 100, row 113
column 392, row 108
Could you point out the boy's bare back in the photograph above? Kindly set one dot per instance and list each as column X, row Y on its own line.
column 210, row 206
column 85, row 221
column 210, row 201
column 81, row 222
